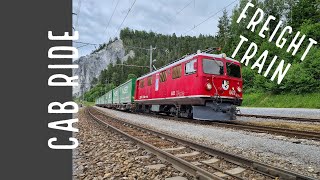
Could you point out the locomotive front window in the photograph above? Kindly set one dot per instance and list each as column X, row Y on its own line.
column 233, row 70
column 211, row 66
column 190, row 69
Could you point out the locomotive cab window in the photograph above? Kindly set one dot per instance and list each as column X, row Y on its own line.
column 163, row 76
column 212, row 66
column 141, row 83
column 233, row 70
column 149, row 80
column 176, row 72
column 190, row 68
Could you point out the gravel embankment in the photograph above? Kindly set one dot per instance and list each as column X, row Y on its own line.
column 287, row 112
column 104, row 155
column 275, row 150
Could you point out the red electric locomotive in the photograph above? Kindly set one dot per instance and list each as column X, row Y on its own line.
column 199, row 86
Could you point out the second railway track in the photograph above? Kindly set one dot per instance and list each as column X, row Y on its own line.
column 274, row 130
column 301, row 119
column 198, row 160
column 312, row 135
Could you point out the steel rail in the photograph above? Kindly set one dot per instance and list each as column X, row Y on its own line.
column 180, row 163
column 267, row 129
column 259, row 167
column 251, row 127
column 281, row 117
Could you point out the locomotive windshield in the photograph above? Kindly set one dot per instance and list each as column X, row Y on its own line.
column 211, row 66
column 233, row 70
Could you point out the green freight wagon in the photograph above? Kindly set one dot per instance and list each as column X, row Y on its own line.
column 98, row 101
column 123, row 95
column 116, row 97
column 109, row 98
column 103, row 99
column 127, row 91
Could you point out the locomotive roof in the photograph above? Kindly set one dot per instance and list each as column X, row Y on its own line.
column 186, row 59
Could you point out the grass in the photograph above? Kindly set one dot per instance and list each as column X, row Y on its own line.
column 311, row 100
column 86, row 103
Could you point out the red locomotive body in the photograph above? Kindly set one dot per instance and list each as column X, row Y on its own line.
column 200, row 86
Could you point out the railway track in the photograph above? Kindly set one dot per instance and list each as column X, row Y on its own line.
column 281, row 118
column 312, row 135
column 280, row 131
column 198, row 160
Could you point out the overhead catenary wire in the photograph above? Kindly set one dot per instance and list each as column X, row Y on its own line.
column 185, row 7
column 178, row 12
column 135, row 47
column 83, row 46
column 188, row 4
column 211, row 16
column 78, row 14
column 125, row 17
column 131, row 65
column 112, row 16
column 80, row 42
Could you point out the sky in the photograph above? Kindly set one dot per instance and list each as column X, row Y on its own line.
column 94, row 21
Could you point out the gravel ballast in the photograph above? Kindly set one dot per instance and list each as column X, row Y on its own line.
column 105, row 155
column 275, row 150
column 286, row 112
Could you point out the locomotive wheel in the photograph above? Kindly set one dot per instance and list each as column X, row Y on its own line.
column 173, row 111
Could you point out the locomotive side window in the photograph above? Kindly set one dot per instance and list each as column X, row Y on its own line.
column 211, row 66
column 141, row 83
column 190, row 69
column 176, row 72
column 149, row 80
column 163, row 76
column 233, row 70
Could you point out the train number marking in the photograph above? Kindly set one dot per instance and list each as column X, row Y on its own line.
column 173, row 93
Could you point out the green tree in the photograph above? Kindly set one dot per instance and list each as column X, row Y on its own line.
column 223, row 35
column 115, row 79
column 131, row 76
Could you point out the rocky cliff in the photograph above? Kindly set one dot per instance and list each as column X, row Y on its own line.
column 90, row 66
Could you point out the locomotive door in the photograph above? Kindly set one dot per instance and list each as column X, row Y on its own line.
column 162, row 88
column 156, row 86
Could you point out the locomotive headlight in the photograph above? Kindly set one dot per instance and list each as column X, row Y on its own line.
column 239, row 89
column 209, row 86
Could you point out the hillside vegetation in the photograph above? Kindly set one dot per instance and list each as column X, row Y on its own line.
column 310, row 100
column 302, row 81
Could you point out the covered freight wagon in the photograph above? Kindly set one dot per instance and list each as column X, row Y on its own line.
column 116, row 97
column 109, row 99
column 99, row 101
column 103, row 100
column 123, row 95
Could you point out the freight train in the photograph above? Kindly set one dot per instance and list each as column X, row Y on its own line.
column 201, row 86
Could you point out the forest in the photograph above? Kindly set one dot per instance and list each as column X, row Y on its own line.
column 302, row 78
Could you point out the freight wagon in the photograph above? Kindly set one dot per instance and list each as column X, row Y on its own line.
column 126, row 94
column 121, row 97
column 99, row 101
column 109, row 99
